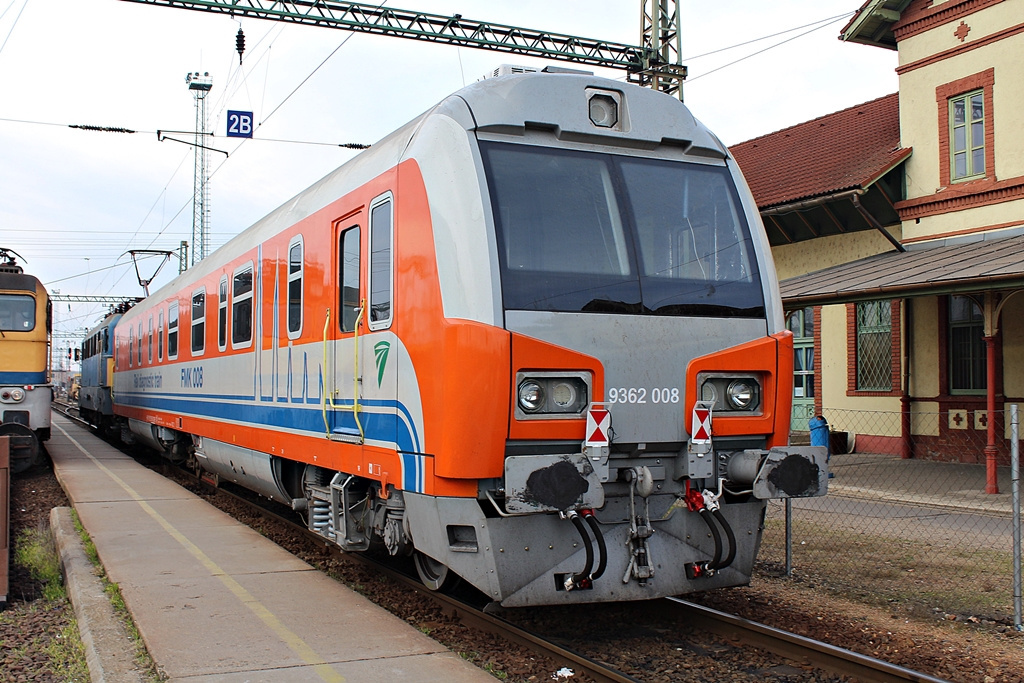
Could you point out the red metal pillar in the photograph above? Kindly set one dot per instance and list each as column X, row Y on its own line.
column 991, row 479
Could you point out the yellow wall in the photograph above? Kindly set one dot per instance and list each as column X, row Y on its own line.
column 1012, row 324
column 919, row 111
column 924, row 378
column 793, row 259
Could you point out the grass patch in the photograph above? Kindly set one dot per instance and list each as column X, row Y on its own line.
column 35, row 551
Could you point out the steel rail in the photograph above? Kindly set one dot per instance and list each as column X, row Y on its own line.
column 798, row 648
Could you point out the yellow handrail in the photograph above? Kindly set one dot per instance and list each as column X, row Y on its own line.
column 355, row 408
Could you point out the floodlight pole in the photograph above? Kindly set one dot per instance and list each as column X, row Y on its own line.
column 200, row 87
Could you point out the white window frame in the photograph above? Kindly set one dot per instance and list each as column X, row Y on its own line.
column 384, row 324
column 192, row 326
column 291, row 277
column 251, row 295
column 173, row 328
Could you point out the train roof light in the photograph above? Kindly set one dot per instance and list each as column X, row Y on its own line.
column 604, row 111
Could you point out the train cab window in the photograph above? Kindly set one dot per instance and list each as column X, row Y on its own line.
column 159, row 337
column 131, row 346
column 349, row 278
column 241, row 307
column 150, row 337
column 17, row 313
column 222, row 314
column 295, row 287
column 381, row 274
column 172, row 331
column 198, row 322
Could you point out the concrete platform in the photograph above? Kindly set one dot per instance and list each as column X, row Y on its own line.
column 214, row 600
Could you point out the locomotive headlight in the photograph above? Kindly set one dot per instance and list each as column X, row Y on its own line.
column 604, row 111
column 531, row 396
column 563, row 394
column 550, row 394
column 17, row 394
column 741, row 394
column 728, row 392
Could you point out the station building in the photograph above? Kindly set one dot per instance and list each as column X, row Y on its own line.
column 897, row 228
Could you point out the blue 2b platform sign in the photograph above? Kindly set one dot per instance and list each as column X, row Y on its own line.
column 239, row 124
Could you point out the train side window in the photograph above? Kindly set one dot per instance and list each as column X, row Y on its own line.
column 138, row 358
column 198, row 322
column 241, row 307
column 131, row 346
column 295, row 272
column 222, row 315
column 149, row 336
column 159, row 337
column 349, row 278
column 172, row 331
column 106, row 337
column 381, row 276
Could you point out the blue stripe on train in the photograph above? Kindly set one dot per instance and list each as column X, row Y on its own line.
column 382, row 427
column 23, row 377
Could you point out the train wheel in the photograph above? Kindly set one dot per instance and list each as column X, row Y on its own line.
column 24, row 446
column 435, row 575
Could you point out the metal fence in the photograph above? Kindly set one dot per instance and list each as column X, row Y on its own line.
column 918, row 535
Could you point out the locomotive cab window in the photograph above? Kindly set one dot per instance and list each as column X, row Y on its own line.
column 349, row 279
column 381, row 276
column 602, row 233
column 17, row 313
column 172, row 331
column 222, row 314
column 241, row 307
column 198, row 322
column 295, row 287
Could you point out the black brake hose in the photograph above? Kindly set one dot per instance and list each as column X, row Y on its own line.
column 732, row 540
column 578, row 523
column 601, row 547
column 706, row 516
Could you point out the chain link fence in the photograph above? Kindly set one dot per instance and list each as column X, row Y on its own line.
column 919, row 534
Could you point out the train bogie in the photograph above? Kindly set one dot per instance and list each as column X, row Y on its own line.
column 530, row 343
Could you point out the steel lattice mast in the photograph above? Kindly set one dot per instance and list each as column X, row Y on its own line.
column 646, row 64
column 200, row 87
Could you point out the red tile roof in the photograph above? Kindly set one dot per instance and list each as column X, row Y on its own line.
column 846, row 150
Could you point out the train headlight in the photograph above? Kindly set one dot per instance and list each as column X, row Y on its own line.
column 734, row 392
column 531, row 396
column 17, row 394
column 604, row 111
column 741, row 394
column 551, row 394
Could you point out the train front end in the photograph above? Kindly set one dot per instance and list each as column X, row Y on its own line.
column 25, row 392
column 650, row 370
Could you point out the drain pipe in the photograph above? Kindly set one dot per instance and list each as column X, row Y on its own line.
column 1015, row 486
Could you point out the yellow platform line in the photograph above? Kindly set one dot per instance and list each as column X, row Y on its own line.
column 290, row 638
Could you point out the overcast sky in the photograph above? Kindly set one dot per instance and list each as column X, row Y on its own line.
column 73, row 202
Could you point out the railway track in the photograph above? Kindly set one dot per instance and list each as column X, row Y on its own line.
column 733, row 630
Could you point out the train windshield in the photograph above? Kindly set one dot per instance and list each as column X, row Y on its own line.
column 17, row 313
column 593, row 232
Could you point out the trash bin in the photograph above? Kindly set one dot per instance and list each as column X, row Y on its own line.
column 820, row 436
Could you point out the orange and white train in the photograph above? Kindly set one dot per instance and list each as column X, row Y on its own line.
column 533, row 339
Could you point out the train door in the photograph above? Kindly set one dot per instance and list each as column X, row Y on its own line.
column 801, row 324
column 378, row 353
column 341, row 333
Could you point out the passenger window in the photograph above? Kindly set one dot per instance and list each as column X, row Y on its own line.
column 159, row 338
column 131, row 346
column 241, row 307
column 172, row 331
column 139, row 357
column 381, row 263
column 295, row 288
column 222, row 314
column 349, row 278
column 198, row 322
